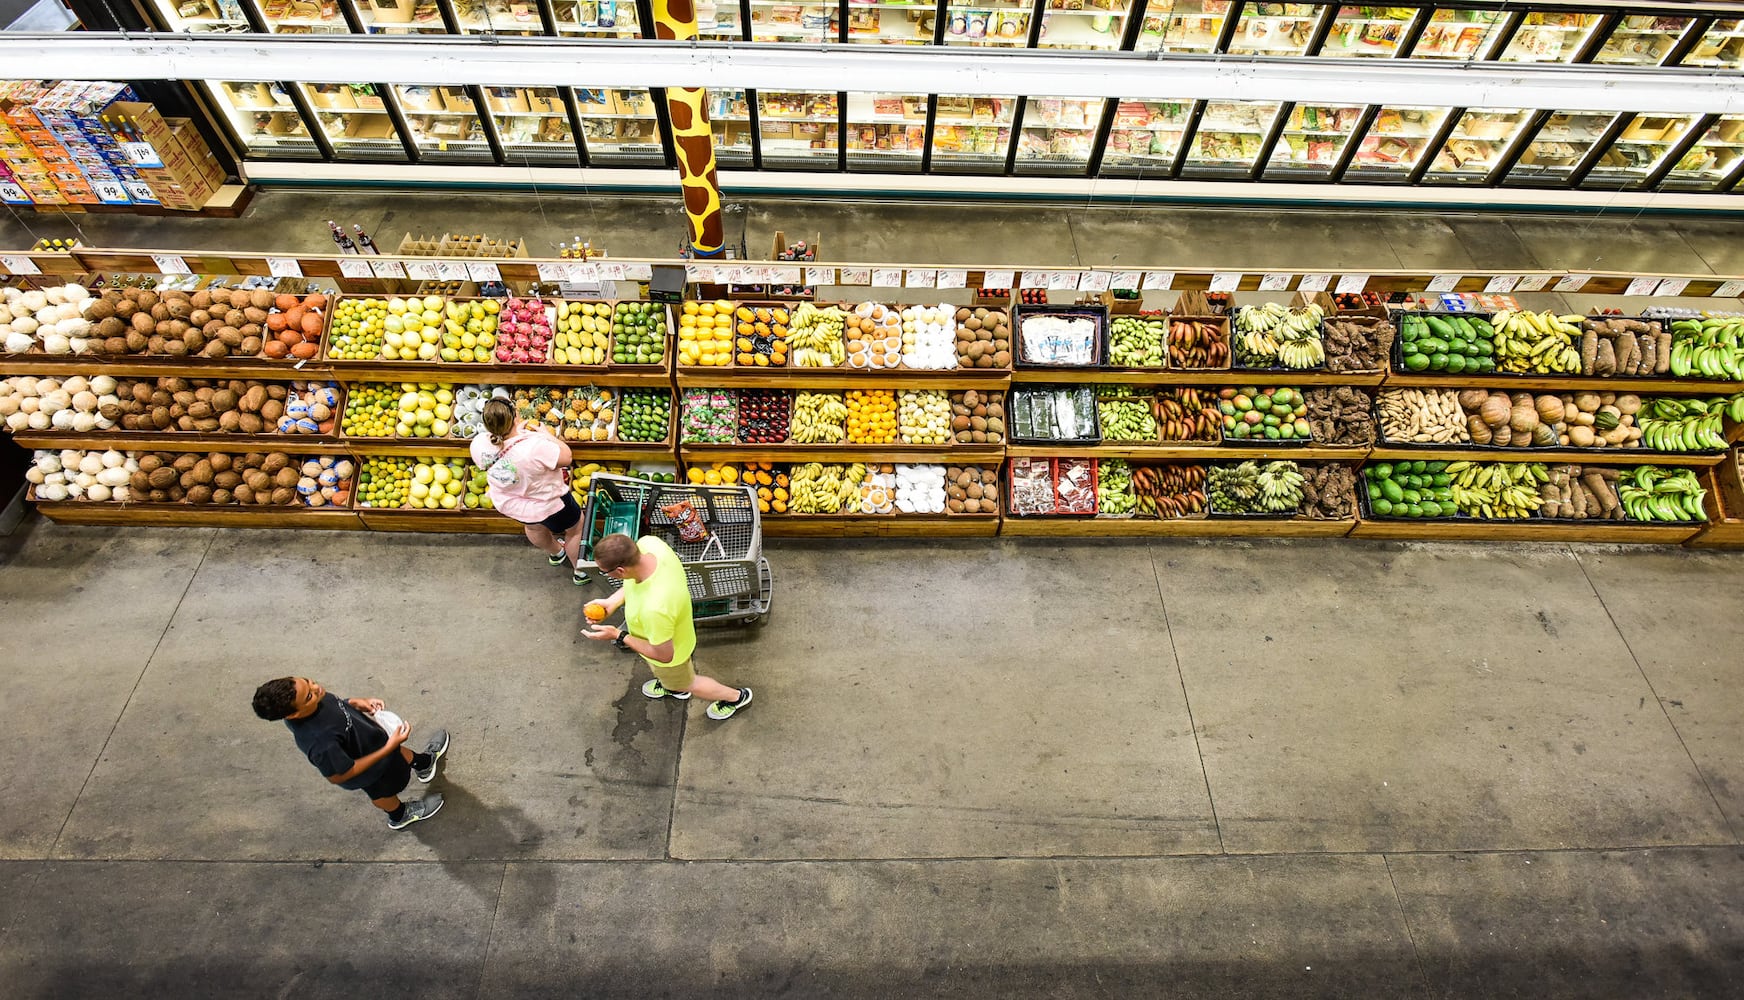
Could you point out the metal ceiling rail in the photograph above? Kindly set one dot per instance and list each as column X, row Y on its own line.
column 494, row 60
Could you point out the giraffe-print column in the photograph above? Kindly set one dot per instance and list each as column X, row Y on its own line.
column 692, row 137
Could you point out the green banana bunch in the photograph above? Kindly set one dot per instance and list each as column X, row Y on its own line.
column 1114, row 488
column 1712, row 347
column 1537, row 343
column 1653, row 493
column 1674, row 424
column 1250, row 488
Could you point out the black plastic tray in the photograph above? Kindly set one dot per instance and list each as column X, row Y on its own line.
column 1011, row 434
column 1397, row 355
column 1097, row 343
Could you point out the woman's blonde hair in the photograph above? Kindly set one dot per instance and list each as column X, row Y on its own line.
column 499, row 420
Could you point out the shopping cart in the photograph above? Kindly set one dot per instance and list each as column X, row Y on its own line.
column 730, row 581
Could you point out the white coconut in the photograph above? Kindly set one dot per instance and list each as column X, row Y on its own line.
column 97, row 491
column 79, row 345
column 52, row 491
column 115, row 476
column 33, row 300
column 103, row 385
column 84, row 400
column 18, row 343
column 84, row 423
column 39, row 421
column 54, row 343
column 76, row 384
column 121, row 494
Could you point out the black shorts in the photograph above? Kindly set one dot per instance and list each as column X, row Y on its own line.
column 394, row 778
column 566, row 518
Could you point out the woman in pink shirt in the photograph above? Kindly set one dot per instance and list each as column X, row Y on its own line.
column 524, row 471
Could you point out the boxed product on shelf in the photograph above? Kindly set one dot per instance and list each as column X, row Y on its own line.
column 1060, row 336
column 1055, row 415
column 1051, row 486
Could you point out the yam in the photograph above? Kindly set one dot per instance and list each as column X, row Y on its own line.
column 1662, row 354
column 1606, row 363
column 1589, row 351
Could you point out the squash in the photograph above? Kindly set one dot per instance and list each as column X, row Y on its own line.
column 1524, row 419
column 1550, row 409
column 1495, row 410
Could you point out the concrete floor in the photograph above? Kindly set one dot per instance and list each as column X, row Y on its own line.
column 1011, row 769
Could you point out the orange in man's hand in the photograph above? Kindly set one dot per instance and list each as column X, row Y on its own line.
column 596, row 613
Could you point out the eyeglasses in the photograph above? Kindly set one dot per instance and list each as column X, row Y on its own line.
column 612, row 572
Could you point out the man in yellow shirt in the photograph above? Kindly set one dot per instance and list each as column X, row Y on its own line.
column 658, row 625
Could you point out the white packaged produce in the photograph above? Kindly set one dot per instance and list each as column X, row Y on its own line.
column 929, row 337
column 920, row 489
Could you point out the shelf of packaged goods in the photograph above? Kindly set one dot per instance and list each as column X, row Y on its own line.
column 459, row 521
column 1526, row 530
column 1179, row 527
column 736, row 377
column 916, row 454
column 585, row 451
column 295, row 444
column 142, row 367
column 1571, row 456
column 1575, row 383
column 880, row 525
column 168, row 515
column 432, row 371
column 1192, row 376
column 1134, row 451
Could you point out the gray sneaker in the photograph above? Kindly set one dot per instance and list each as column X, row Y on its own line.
column 437, row 746
column 418, row 809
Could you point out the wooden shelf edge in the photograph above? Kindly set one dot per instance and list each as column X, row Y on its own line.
column 1180, row 527
column 137, row 367
column 1526, row 531
column 905, row 454
column 461, row 522
column 1638, row 386
column 182, row 441
column 1728, row 534
column 1590, row 456
column 881, row 526
column 1191, row 377
column 188, row 516
column 1187, row 453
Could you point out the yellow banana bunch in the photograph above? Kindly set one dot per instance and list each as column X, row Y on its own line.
column 1540, row 343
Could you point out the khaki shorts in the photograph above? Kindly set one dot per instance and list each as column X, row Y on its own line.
column 677, row 677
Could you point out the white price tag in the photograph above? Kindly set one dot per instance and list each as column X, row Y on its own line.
column 886, row 277
column 1126, row 281
column 423, row 270
column 952, row 279
column 169, row 263
column 141, row 192
column 1572, row 282
column 1064, row 281
column 110, row 192
column 787, row 275
column 1314, row 283
column 354, row 268
column 1033, row 279
column 142, row 154
column 1226, row 281
column 387, row 268
column 1642, row 286
column 483, row 271
column 1094, row 281
column 921, row 278
column 997, row 280
column 1276, row 282
column 638, row 272
column 451, row 270
column 1158, row 281
column 1443, row 283
column 583, row 273
column 611, row 272
column 19, row 264
column 284, row 267
column 1501, row 284
column 696, row 272
column 1532, row 283
column 1349, row 284
column 854, row 276
column 12, row 194
column 1730, row 290
column 815, row 276
column 550, row 272
column 1672, row 286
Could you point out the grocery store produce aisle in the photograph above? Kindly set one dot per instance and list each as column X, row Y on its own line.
column 1014, row 769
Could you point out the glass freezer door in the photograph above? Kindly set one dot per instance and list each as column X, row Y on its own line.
column 1189, row 26
column 533, row 125
column 1478, row 143
column 1458, row 33
column 1229, row 138
column 262, row 116
column 1145, row 137
column 1560, row 146
column 400, row 17
column 619, row 127
column 1715, row 157
column 891, row 22
column 1274, row 29
column 303, row 17
column 1643, row 40
column 1395, row 143
column 201, row 16
column 781, row 21
column 1551, row 37
column 999, row 24
column 1372, row 32
column 355, row 121
column 1057, row 136
column 603, row 20
column 797, row 128
column 1312, row 141
column 1639, row 150
column 501, row 17
column 1721, row 45
column 444, row 123
column 1089, row 25
column 972, row 134
column 886, row 132
column 730, row 118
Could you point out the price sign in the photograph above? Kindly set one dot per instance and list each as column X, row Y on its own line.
column 387, row 268
column 1350, row 284
column 1532, row 283
column 886, row 277
column 1094, row 281
column 1126, row 281
column 1065, row 281
column 1730, row 290
column 354, row 268
column 952, row 279
column 1572, row 282
column 169, row 263
column 821, row 276
column 142, row 154
column 786, row 275
column 19, row 264
column 12, row 194
column 1642, row 286
column 1672, row 286
column 611, row 272
column 1501, row 284
column 1276, row 282
column 1314, row 283
column 451, row 270
column 582, row 273
column 1226, row 281
column 854, row 276
column 921, row 278
column 483, row 271
column 1443, row 282
column 997, row 279
column 423, row 270
column 110, row 192
column 1034, row 279
column 1158, row 281
column 638, row 272
column 284, row 267
column 140, row 192
column 550, row 272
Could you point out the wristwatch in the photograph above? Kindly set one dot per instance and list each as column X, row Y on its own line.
column 619, row 641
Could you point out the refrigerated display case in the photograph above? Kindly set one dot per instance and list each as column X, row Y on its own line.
column 400, row 17
column 1057, row 135
column 798, row 129
column 619, row 127
column 782, row 21
column 1395, row 143
column 1275, row 29
column 1639, row 150
column 998, row 24
column 1643, row 40
column 730, row 117
column 1561, row 145
column 1478, row 143
column 533, row 125
column 263, row 119
column 886, row 131
column 891, row 22
column 303, row 17
column 1145, row 137
column 1715, row 160
column 1230, row 137
column 1551, row 36
column 501, row 17
column 1090, row 25
column 1182, row 26
column 444, row 123
column 355, row 120
column 1458, row 33
column 1721, row 45
column 203, row 16
column 972, row 134
column 1312, row 141
column 1368, row 32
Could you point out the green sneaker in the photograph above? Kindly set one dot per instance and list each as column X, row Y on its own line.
column 652, row 689
column 720, row 711
column 580, row 577
column 557, row 560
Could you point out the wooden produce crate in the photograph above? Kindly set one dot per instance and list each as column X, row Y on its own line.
column 781, row 242
column 881, row 525
column 1222, row 322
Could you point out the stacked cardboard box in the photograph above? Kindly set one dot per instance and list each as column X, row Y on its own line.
column 173, row 159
